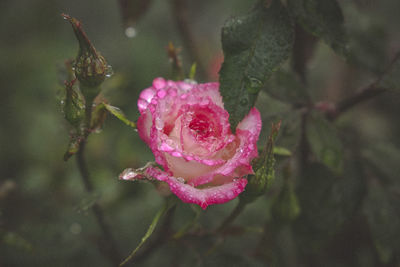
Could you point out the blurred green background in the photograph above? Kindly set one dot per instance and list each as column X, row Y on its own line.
column 44, row 219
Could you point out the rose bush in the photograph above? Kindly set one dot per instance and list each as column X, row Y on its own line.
column 187, row 128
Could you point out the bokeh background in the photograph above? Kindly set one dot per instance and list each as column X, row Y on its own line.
column 45, row 218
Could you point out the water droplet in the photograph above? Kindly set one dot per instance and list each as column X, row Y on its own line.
column 109, row 71
column 130, row 32
column 161, row 93
column 159, row 124
column 181, row 180
column 253, row 85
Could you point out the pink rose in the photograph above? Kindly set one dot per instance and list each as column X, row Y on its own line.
column 187, row 128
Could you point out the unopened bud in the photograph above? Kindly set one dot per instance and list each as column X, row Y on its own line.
column 259, row 183
column 91, row 68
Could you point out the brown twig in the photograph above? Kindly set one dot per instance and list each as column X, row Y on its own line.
column 109, row 243
column 362, row 95
column 181, row 15
column 303, row 50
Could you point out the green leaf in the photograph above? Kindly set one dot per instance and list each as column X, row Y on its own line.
column 254, row 45
column 282, row 151
column 324, row 142
column 286, row 87
column 119, row 114
column 192, row 73
column 322, row 18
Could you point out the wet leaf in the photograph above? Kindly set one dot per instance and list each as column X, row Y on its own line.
column 322, row 18
column 254, row 46
column 324, row 142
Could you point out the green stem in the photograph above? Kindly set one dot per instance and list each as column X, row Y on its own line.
column 166, row 207
column 109, row 242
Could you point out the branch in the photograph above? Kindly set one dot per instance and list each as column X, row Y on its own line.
column 371, row 91
column 180, row 13
column 303, row 50
column 363, row 95
column 109, row 242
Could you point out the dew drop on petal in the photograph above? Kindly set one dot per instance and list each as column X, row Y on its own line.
column 142, row 104
column 161, row 93
column 176, row 154
column 159, row 124
column 159, row 83
column 147, row 94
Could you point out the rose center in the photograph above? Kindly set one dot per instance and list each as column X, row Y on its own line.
column 202, row 126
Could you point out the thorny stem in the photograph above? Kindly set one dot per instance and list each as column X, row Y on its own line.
column 108, row 241
column 181, row 15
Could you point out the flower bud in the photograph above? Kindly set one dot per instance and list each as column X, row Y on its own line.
column 74, row 109
column 90, row 67
column 263, row 166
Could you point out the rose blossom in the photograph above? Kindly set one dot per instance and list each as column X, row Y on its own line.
column 187, row 128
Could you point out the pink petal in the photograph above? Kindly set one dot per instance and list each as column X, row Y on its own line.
column 202, row 197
